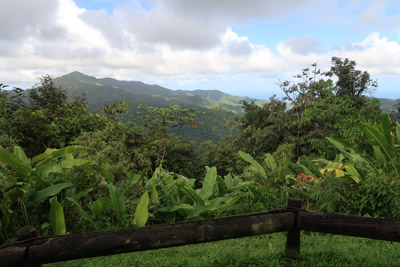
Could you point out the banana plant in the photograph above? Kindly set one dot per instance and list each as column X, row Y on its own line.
column 339, row 170
column 116, row 201
column 381, row 138
column 57, row 219
column 255, row 165
column 276, row 170
column 142, row 211
column 29, row 182
column 179, row 200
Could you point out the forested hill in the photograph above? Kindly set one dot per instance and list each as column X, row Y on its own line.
column 214, row 108
column 387, row 104
column 107, row 90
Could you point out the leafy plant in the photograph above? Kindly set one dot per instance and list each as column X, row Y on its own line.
column 255, row 164
column 57, row 217
column 178, row 200
column 142, row 212
column 27, row 183
column 118, row 204
column 359, row 181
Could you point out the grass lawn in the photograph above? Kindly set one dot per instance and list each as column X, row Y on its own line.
column 266, row 250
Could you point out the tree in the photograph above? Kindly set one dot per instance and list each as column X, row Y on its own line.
column 45, row 120
column 303, row 96
column 157, row 121
column 350, row 81
column 262, row 128
column 8, row 104
column 318, row 108
column 47, row 96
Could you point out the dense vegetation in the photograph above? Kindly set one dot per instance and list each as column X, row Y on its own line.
column 65, row 169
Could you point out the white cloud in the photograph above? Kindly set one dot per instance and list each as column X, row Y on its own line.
column 379, row 15
column 162, row 25
column 106, row 26
column 376, row 54
column 237, row 10
column 186, row 41
column 304, row 45
column 26, row 17
column 21, row 19
column 292, row 58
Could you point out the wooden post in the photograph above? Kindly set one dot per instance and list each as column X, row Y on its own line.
column 293, row 235
column 26, row 233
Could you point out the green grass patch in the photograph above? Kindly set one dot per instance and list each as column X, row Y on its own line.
column 266, row 250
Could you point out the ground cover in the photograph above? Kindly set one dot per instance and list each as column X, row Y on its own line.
column 266, row 250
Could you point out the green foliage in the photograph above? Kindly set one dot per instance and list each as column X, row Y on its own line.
column 209, row 124
column 47, row 192
column 27, row 183
column 350, row 81
column 360, row 182
column 84, row 214
column 45, row 119
column 57, row 217
column 382, row 141
column 254, row 164
column 100, row 205
column 317, row 107
column 118, row 204
column 209, row 184
column 142, row 212
column 263, row 128
column 115, row 149
column 178, row 200
column 47, row 95
column 120, row 177
column 156, row 121
column 224, row 155
column 181, row 157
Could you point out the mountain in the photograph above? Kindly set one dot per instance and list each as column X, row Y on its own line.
column 101, row 91
column 214, row 108
column 387, row 105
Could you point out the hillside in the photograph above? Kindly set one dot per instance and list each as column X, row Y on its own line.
column 101, row 91
column 214, row 108
column 211, row 124
column 387, row 104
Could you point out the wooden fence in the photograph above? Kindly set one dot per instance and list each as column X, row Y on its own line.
column 292, row 219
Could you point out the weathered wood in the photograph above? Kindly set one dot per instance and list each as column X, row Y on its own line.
column 69, row 247
column 13, row 256
column 294, row 203
column 382, row 229
column 293, row 235
column 26, row 232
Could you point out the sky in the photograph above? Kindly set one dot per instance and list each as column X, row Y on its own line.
column 242, row 48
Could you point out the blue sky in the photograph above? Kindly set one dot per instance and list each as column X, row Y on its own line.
column 239, row 47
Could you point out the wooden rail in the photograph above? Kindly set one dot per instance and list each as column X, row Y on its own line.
column 292, row 219
column 68, row 247
column 382, row 229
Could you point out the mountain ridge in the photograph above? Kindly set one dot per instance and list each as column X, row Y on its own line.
column 101, row 91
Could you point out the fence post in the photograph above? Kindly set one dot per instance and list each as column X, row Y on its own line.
column 293, row 235
column 26, row 233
